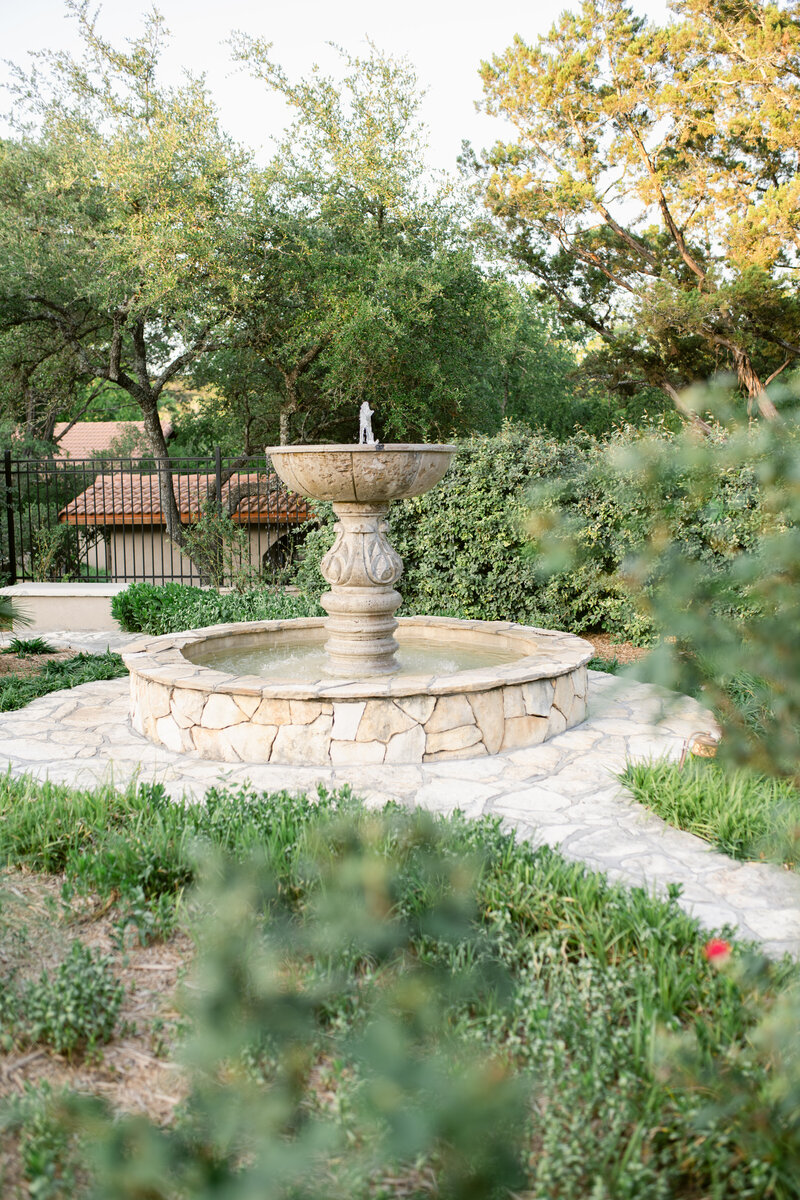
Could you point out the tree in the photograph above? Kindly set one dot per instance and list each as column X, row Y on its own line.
column 362, row 285
column 120, row 220
column 652, row 189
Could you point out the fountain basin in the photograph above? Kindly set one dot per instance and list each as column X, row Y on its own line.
column 368, row 474
column 534, row 689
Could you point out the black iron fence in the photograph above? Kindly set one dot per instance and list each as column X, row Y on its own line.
column 99, row 520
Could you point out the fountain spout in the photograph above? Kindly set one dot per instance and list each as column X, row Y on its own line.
column 365, row 434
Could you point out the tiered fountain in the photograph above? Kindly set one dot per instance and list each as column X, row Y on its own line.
column 378, row 690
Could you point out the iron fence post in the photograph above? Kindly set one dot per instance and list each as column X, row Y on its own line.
column 218, row 473
column 12, row 549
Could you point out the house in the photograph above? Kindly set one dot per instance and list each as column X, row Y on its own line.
column 125, row 509
column 87, row 438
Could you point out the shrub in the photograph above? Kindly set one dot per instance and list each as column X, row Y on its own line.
column 174, row 607
column 73, row 1008
column 733, row 624
column 466, row 544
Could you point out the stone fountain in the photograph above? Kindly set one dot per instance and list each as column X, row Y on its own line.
column 361, row 686
column 361, row 566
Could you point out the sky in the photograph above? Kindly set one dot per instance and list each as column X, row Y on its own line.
column 445, row 40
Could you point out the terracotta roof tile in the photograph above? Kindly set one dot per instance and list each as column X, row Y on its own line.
column 89, row 437
column 134, row 500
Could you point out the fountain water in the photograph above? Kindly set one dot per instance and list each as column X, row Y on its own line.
column 466, row 688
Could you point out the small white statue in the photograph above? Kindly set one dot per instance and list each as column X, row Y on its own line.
column 365, row 434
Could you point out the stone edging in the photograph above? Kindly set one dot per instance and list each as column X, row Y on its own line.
column 190, row 708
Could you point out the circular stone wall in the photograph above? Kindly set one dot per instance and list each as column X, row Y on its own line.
column 197, row 710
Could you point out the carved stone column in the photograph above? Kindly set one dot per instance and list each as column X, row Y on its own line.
column 361, row 568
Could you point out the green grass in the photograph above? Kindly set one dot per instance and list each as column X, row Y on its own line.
column 18, row 690
column 140, row 845
column 746, row 815
column 25, row 647
column 564, row 979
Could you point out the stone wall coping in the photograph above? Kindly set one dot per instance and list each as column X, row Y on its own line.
column 63, row 589
column 552, row 653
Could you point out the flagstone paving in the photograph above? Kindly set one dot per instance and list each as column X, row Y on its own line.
column 563, row 793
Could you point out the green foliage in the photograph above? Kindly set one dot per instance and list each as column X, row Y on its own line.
column 751, row 1089
column 363, row 284
column 17, row 691
column 743, row 814
column 466, row 544
column 377, row 995
column 141, row 844
column 733, row 621
column 73, row 1008
column 49, row 1153
column 219, row 548
column 10, row 612
column 25, row 647
column 662, row 223
column 173, row 607
column 611, row 666
column 55, row 550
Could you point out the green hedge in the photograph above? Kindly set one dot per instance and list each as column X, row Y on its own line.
column 467, row 545
column 173, row 607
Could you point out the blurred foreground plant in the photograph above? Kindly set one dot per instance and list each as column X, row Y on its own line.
column 751, row 1088
column 727, row 622
column 276, row 976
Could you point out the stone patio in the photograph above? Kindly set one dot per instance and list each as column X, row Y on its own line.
column 563, row 793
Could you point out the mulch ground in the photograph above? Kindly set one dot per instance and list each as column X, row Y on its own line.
column 132, row 1072
column 606, row 647
column 30, row 664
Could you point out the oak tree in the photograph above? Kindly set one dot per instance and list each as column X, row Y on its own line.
column 653, row 186
column 363, row 282
column 120, row 217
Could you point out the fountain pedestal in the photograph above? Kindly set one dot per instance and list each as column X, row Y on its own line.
column 361, row 567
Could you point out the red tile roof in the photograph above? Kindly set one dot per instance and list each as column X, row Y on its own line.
column 134, row 500
column 88, row 437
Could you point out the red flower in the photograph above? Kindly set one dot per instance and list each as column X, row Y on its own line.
column 717, row 951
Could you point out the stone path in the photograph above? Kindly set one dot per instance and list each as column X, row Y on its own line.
column 563, row 793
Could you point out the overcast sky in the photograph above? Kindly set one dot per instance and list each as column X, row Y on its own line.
column 444, row 39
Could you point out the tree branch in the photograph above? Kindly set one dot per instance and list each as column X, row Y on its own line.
column 669, row 220
column 178, row 363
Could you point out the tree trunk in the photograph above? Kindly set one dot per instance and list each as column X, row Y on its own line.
column 287, row 411
column 166, row 491
column 693, row 417
column 749, row 380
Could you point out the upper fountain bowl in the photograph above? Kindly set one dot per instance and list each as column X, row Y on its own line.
column 361, row 474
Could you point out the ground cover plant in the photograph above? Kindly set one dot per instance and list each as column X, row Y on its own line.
column 744, row 814
column 24, row 647
column 73, row 1008
column 388, row 1004
column 18, row 690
